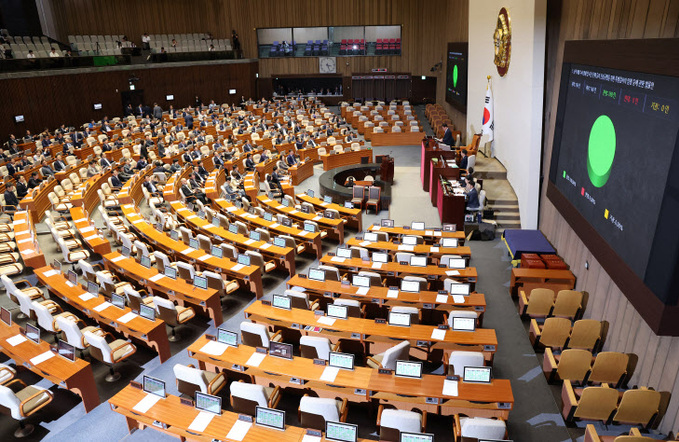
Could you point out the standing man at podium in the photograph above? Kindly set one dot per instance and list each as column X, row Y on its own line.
column 447, row 136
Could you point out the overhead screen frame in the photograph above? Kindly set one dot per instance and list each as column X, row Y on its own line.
column 649, row 56
column 464, row 48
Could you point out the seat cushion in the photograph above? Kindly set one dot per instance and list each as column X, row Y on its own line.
column 482, row 428
column 184, row 313
column 122, row 352
column 37, row 401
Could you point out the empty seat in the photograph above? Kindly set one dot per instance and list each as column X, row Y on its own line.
column 480, row 428
column 191, row 379
column 257, row 335
column 388, row 358
column 314, row 412
column 246, row 397
column 393, row 422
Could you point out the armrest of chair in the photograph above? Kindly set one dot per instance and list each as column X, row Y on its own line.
column 275, row 397
column 523, row 302
column 221, row 376
column 570, row 401
column 122, row 344
column 23, row 281
column 534, row 332
column 457, row 428
column 275, row 336
column 15, row 385
column 376, row 362
column 379, row 414
column 337, row 346
column 549, row 364
column 424, row 420
column 344, row 410
column 30, row 398
column 634, row 431
column 314, row 305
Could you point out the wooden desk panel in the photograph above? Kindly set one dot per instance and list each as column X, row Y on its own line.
column 336, row 225
column 353, row 216
column 345, row 158
column 381, row 336
column 94, row 239
column 429, row 235
column 76, row 376
column 40, row 203
column 521, row 276
column 405, row 138
column 175, row 289
column 420, row 249
column 301, row 171
column 282, row 256
column 250, row 275
column 150, row 332
column 27, row 241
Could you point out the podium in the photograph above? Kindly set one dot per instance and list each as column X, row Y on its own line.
column 437, row 170
column 451, row 206
column 386, row 168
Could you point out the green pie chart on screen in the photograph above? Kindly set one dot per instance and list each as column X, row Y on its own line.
column 601, row 150
column 455, row 76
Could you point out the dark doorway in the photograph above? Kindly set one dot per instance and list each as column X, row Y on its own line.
column 135, row 98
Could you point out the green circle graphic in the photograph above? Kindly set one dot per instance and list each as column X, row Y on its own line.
column 601, row 151
column 455, row 76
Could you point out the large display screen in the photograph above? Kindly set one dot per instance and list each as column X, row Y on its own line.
column 614, row 166
column 618, row 136
column 456, row 75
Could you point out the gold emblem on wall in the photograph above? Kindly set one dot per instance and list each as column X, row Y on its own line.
column 502, row 37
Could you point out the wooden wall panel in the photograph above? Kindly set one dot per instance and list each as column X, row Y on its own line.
column 427, row 27
column 609, row 19
column 52, row 100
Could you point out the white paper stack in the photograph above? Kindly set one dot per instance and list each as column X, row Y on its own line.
column 201, row 421
column 214, row 348
column 329, row 374
column 239, row 430
column 255, row 359
column 145, row 404
column 42, row 357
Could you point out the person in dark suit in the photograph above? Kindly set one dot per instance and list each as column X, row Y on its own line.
column 104, row 162
column 46, row 169
column 10, row 198
column 472, row 196
column 22, row 187
column 141, row 164
column 186, row 156
column 447, row 135
column 247, row 147
column 161, row 149
column 463, row 160
column 235, row 174
column 151, row 186
column 143, row 150
column 115, row 181
column 202, row 171
column 189, row 194
column 290, row 159
column 188, row 119
column 33, row 181
column 11, row 167
column 139, row 111
column 276, row 178
column 59, row 164
column 175, row 167
column 249, row 163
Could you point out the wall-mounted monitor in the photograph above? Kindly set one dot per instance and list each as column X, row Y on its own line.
column 232, row 92
column 18, row 118
column 97, row 106
column 456, row 75
column 615, row 97
column 169, row 97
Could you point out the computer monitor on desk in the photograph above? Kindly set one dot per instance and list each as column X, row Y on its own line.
column 269, row 417
column 209, row 403
column 416, row 437
column 341, row 432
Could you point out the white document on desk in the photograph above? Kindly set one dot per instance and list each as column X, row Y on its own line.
column 438, row 334
column 86, row 229
column 452, row 273
column 156, row 278
column 231, row 209
column 117, row 258
column 310, row 438
column 304, row 233
column 274, row 225
column 255, row 359
column 127, row 317
column 458, row 299
column 376, row 228
column 86, row 296
column 90, row 238
column 441, row 299
column 205, row 257
column 201, row 421
column 392, row 294
column 239, row 430
column 362, row 291
column 237, row 267
column 316, row 218
column 214, row 348
column 337, row 259
column 437, row 233
column 42, row 357
column 249, row 241
column 429, row 232
column 25, row 240
column 265, row 246
column 325, row 320
column 433, row 249
column 145, row 404
column 449, row 388
column 49, row 273
column 376, row 265
column 329, row 374
column 16, row 340
column 103, row 306
column 19, row 221
column 406, row 248
column 189, row 250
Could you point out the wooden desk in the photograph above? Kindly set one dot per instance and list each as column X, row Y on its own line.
column 523, row 276
column 313, row 240
column 282, row 256
column 75, row 376
column 353, row 216
column 474, row 399
column 335, row 225
column 378, row 336
column 397, row 270
column 203, row 300
column 87, row 196
column 94, row 239
column 433, row 252
column 430, row 236
column 152, row 333
column 179, row 417
column 404, row 138
column 250, row 275
column 451, row 205
column 301, row 171
column 440, row 169
column 424, row 299
column 26, row 240
column 40, row 203
column 346, row 158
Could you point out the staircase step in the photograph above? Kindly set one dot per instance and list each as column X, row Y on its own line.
column 490, row 174
column 501, row 216
column 504, row 207
column 508, row 202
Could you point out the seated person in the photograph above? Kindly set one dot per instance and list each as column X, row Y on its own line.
column 231, row 191
column 472, row 196
column 10, row 198
column 22, row 187
column 34, row 181
column 115, row 180
column 191, row 195
column 463, row 159
column 150, row 185
column 276, row 179
column 249, row 163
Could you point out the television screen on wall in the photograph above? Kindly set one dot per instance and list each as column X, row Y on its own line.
column 456, row 76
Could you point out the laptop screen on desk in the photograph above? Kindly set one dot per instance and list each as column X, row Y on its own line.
column 448, row 227
column 280, row 350
column 418, row 261
column 268, row 216
column 268, row 417
column 449, row 242
column 310, row 193
column 147, row 312
column 337, row 311
column 255, row 236
column 209, row 403
column 360, row 281
column 416, row 437
column 33, row 333
column 463, row 324
column 66, row 350
column 154, row 386
column 282, row 301
column 200, row 282
column 93, row 288
column 327, row 199
column 171, row 272
column 227, row 337
column 400, row 319
column 370, row 236
column 216, row 251
column 117, row 300
column 193, row 243
column 341, row 360
column 343, row 252
column 387, row 223
column 380, row 257
column 417, row 225
column 457, row 263
column 410, row 286
column 477, row 374
column 233, row 229
column 459, row 289
column 72, row 277
column 146, row 261
column 243, row 260
column 174, row 235
column 6, row 316
column 341, row 432
column 408, row 369
column 316, row 274
column 348, row 205
column 309, row 227
column 126, row 252
column 279, row 242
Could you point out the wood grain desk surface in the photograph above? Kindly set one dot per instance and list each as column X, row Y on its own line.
column 381, row 293
column 426, row 234
column 321, row 220
column 416, row 332
column 464, row 251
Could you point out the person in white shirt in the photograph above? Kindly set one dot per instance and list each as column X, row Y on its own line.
column 146, row 41
column 30, row 54
column 54, row 53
